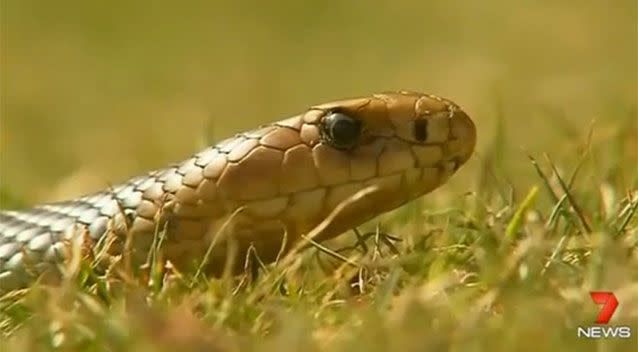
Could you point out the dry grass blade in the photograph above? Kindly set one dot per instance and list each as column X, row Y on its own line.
column 159, row 233
column 570, row 197
column 518, row 218
column 220, row 233
column 127, row 223
column 632, row 210
column 317, row 230
column 546, row 181
column 583, row 158
column 330, row 252
column 557, row 250
column 552, row 220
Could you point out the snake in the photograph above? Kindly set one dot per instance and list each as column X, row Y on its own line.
column 260, row 190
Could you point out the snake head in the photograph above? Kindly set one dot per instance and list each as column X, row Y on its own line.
column 421, row 137
column 415, row 119
column 405, row 144
column 297, row 171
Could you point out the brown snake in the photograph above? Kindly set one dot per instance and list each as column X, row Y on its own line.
column 280, row 180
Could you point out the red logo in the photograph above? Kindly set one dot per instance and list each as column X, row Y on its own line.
column 609, row 302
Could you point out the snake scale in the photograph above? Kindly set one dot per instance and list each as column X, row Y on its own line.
column 280, row 180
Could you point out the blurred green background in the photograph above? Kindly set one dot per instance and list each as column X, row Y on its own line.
column 95, row 92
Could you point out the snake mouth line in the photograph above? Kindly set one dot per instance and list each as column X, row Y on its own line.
column 438, row 167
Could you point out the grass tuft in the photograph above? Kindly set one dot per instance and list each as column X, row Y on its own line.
column 499, row 276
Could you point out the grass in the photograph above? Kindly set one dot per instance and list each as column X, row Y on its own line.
column 499, row 269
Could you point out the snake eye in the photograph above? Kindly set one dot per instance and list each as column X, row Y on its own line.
column 341, row 131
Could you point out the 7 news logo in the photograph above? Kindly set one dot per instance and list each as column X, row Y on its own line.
column 609, row 305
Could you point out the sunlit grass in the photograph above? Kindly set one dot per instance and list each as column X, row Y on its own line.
column 499, row 269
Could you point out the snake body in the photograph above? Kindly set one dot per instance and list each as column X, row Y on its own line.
column 278, row 181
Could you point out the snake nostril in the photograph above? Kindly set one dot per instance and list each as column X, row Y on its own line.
column 421, row 130
column 457, row 163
